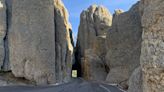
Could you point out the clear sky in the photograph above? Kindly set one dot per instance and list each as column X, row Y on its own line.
column 75, row 7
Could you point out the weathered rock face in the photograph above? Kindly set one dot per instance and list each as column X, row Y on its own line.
column 95, row 21
column 40, row 46
column 91, row 48
column 152, row 54
column 135, row 81
column 31, row 40
column 3, row 30
column 64, row 45
column 93, row 67
column 124, row 44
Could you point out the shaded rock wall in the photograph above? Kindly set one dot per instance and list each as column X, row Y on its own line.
column 6, row 63
column 124, row 45
column 135, row 81
column 3, row 31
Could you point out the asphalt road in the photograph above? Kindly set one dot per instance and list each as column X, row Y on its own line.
column 77, row 85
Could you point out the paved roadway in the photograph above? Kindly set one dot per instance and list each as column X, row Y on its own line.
column 77, row 85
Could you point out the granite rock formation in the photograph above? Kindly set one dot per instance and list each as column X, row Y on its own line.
column 152, row 53
column 63, row 43
column 32, row 40
column 91, row 48
column 36, row 40
column 93, row 67
column 124, row 45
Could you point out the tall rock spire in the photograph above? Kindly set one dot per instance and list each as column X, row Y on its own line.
column 63, row 42
column 90, row 48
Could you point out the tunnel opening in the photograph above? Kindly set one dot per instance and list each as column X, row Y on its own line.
column 76, row 70
column 76, row 67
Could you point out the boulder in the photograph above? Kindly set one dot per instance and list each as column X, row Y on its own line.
column 8, row 79
column 152, row 52
column 124, row 45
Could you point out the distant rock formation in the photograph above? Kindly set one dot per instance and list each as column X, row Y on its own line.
column 91, row 48
column 36, row 40
column 152, row 53
column 124, row 45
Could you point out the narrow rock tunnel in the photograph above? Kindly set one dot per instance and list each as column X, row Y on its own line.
column 77, row 66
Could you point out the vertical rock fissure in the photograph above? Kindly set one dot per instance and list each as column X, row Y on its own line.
column 6, row 65
column 71, row 37
column 94, row 26
column 56, row 55
column 77, row 64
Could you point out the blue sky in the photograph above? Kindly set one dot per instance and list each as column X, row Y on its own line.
column 75, row 7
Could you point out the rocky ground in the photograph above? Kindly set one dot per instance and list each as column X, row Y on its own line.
column 76, row 85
